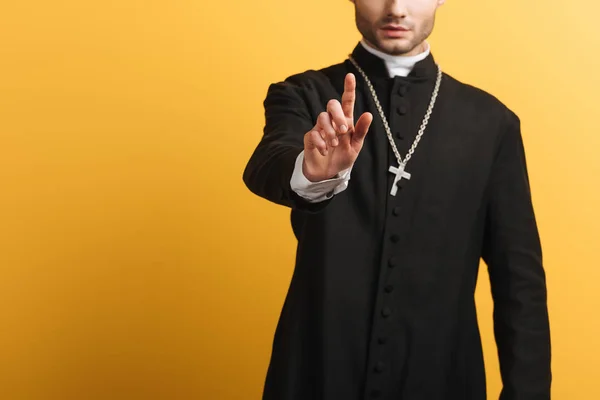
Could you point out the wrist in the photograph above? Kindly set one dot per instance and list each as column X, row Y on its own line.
column 312, row 177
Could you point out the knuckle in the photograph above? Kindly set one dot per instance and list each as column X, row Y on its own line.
column 307, row 137
column 321, row 118
column 332, row 103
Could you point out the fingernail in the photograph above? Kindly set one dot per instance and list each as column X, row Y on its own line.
column 343, row 128
column 335, row 142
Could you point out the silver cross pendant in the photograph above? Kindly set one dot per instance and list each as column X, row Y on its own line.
column 400, row 173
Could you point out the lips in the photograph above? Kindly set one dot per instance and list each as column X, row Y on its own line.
column 395, row 28
column 394, row 31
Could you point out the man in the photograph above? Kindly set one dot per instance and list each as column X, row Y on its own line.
column 391, row 225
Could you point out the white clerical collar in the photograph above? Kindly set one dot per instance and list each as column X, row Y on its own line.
column 397, row 65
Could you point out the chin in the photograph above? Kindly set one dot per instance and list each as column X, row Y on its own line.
column 396, row 46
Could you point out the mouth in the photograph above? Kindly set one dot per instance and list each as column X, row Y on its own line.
column 394, row 31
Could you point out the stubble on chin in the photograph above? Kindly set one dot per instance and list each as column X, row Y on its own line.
column 393, row 47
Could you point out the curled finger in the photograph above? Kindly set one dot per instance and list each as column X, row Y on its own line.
column 314, row 140
column 324, row 123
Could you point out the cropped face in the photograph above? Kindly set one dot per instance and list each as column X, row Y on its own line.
column 396, row 27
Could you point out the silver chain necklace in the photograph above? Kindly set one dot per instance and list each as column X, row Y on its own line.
column 399, row 171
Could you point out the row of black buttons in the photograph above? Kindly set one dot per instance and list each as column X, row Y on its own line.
column 393, row 262
column 401, row 110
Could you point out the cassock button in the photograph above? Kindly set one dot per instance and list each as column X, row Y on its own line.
column 402, row 90
column 402, row 110
column 379, row 367
column 400, row 136
column 393, row 262
column 395, row 238
column 396, row 211
column 389, row 289
column 386, row 312
column 382, row 340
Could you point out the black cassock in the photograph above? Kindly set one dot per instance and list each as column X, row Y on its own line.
column 381, row 303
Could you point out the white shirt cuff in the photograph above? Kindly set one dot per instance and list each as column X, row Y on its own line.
column 316, row 192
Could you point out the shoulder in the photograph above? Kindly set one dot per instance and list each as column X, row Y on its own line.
column 315, row 79
column 313, row 87
column 479, row 104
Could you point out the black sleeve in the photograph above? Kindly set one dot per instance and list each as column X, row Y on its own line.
column 513, row 254
column 269, row 170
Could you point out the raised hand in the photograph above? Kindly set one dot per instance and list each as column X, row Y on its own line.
column 335, row 142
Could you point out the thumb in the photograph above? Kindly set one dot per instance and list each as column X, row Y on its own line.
column 360, row 130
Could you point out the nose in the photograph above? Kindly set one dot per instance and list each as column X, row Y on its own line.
column 397, row 8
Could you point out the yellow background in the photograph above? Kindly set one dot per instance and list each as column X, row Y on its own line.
column 134, row 264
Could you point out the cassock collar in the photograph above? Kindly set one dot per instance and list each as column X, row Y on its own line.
column 375, row 67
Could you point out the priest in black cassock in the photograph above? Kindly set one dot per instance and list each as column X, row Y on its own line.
column 400, row 179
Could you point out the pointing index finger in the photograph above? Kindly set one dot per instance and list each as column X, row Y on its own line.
column 349, row 97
